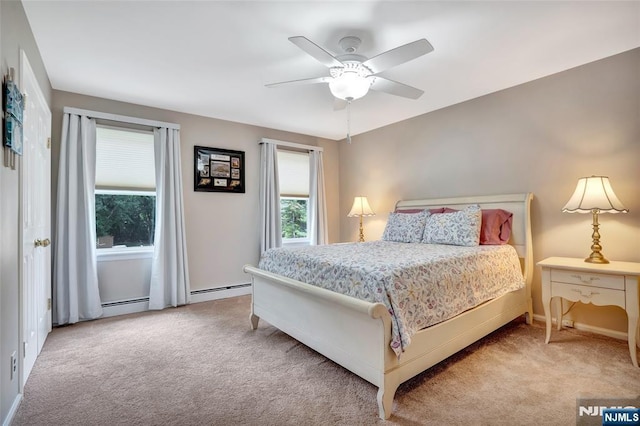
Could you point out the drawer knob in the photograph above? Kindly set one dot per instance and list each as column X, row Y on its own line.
column 586, row 280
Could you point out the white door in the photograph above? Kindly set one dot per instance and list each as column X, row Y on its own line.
column 35, row 214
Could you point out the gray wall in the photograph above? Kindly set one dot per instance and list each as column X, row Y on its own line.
column 15, row 34
column 538, row 137
column 222, row 229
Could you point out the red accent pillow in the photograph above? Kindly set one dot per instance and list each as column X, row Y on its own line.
column 495, row 228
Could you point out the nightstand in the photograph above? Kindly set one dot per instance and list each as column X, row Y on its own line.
column 614, row 283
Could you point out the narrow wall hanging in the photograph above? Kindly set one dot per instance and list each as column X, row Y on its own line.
column 13, row 108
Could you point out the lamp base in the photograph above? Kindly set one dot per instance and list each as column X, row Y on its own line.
column 596, row 258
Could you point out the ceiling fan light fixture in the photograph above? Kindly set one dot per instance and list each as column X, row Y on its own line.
column 349, row 86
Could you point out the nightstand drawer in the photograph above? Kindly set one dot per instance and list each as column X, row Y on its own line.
column 615, row 282
column 588, row 294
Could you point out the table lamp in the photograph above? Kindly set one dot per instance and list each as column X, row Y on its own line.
column 594, row 195
column 359, row 209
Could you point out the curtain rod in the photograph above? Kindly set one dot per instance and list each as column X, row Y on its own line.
column 291, row 144
column 120, row 118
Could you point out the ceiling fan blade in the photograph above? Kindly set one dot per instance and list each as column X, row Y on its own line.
column 315, row 80
column 394, row 88
column 339, row 104
column 321, row 55
column 398, row 56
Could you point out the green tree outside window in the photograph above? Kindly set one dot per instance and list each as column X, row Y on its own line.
column 130, row 219
column 293, row 212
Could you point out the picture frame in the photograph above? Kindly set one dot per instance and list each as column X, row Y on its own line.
column 13, row 108
column 218, row 170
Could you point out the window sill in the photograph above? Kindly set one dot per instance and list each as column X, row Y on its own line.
column 124, row 253
column 295, row 243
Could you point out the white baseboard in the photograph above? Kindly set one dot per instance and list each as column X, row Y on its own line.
column 12, row 411
column 590, row 328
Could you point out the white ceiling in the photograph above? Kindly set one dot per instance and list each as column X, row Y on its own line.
column 213, row 58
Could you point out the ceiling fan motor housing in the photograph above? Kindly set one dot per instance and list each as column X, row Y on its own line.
column 354, row 67
column 351, row 81
column 349, row 44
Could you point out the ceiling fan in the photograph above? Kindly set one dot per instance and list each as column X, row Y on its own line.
column 352, row 75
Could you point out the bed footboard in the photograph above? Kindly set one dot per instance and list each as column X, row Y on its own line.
column 353, row 333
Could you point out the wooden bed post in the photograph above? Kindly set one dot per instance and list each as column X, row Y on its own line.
column 253, row 318
column 528, row 258
column 254, row 321
column 386, row 393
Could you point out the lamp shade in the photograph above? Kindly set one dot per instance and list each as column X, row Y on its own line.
column 360, row 208
column 594, row 193
column 349, row 86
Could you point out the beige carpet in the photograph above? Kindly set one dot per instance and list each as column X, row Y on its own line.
column 202, row 365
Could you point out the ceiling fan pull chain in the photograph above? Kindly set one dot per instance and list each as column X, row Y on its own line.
column 348, row 121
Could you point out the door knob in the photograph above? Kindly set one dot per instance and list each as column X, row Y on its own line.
column 42, row 243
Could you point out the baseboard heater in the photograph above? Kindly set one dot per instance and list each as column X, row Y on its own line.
column 140, row 304
column 211, row 290
column 125, row 302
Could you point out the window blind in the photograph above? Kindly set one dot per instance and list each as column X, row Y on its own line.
column 124, row 159
column 293, row 173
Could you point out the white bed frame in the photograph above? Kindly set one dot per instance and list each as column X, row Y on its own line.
column 356, row 334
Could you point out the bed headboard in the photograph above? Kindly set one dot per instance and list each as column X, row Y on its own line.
column 518, row 204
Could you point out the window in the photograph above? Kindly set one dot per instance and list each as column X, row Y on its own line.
column 125, row 188
column 293, row 214
column 125, row 219
column 293, row 178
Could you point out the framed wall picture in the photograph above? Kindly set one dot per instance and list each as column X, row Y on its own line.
column 13, row 115
column 218, row 170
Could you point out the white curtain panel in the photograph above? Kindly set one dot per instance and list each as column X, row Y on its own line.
column 270, row 226
column 75, row 272
column 169, row 269
column 317, row 200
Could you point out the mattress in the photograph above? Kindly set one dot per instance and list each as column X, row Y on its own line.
column 420, row 284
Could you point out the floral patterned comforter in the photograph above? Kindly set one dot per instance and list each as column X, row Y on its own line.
column 420, row 284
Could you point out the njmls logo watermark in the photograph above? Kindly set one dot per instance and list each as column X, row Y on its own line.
column 607, row 412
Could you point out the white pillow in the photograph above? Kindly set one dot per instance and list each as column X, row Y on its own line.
column 405, row 227
column 461, row 228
